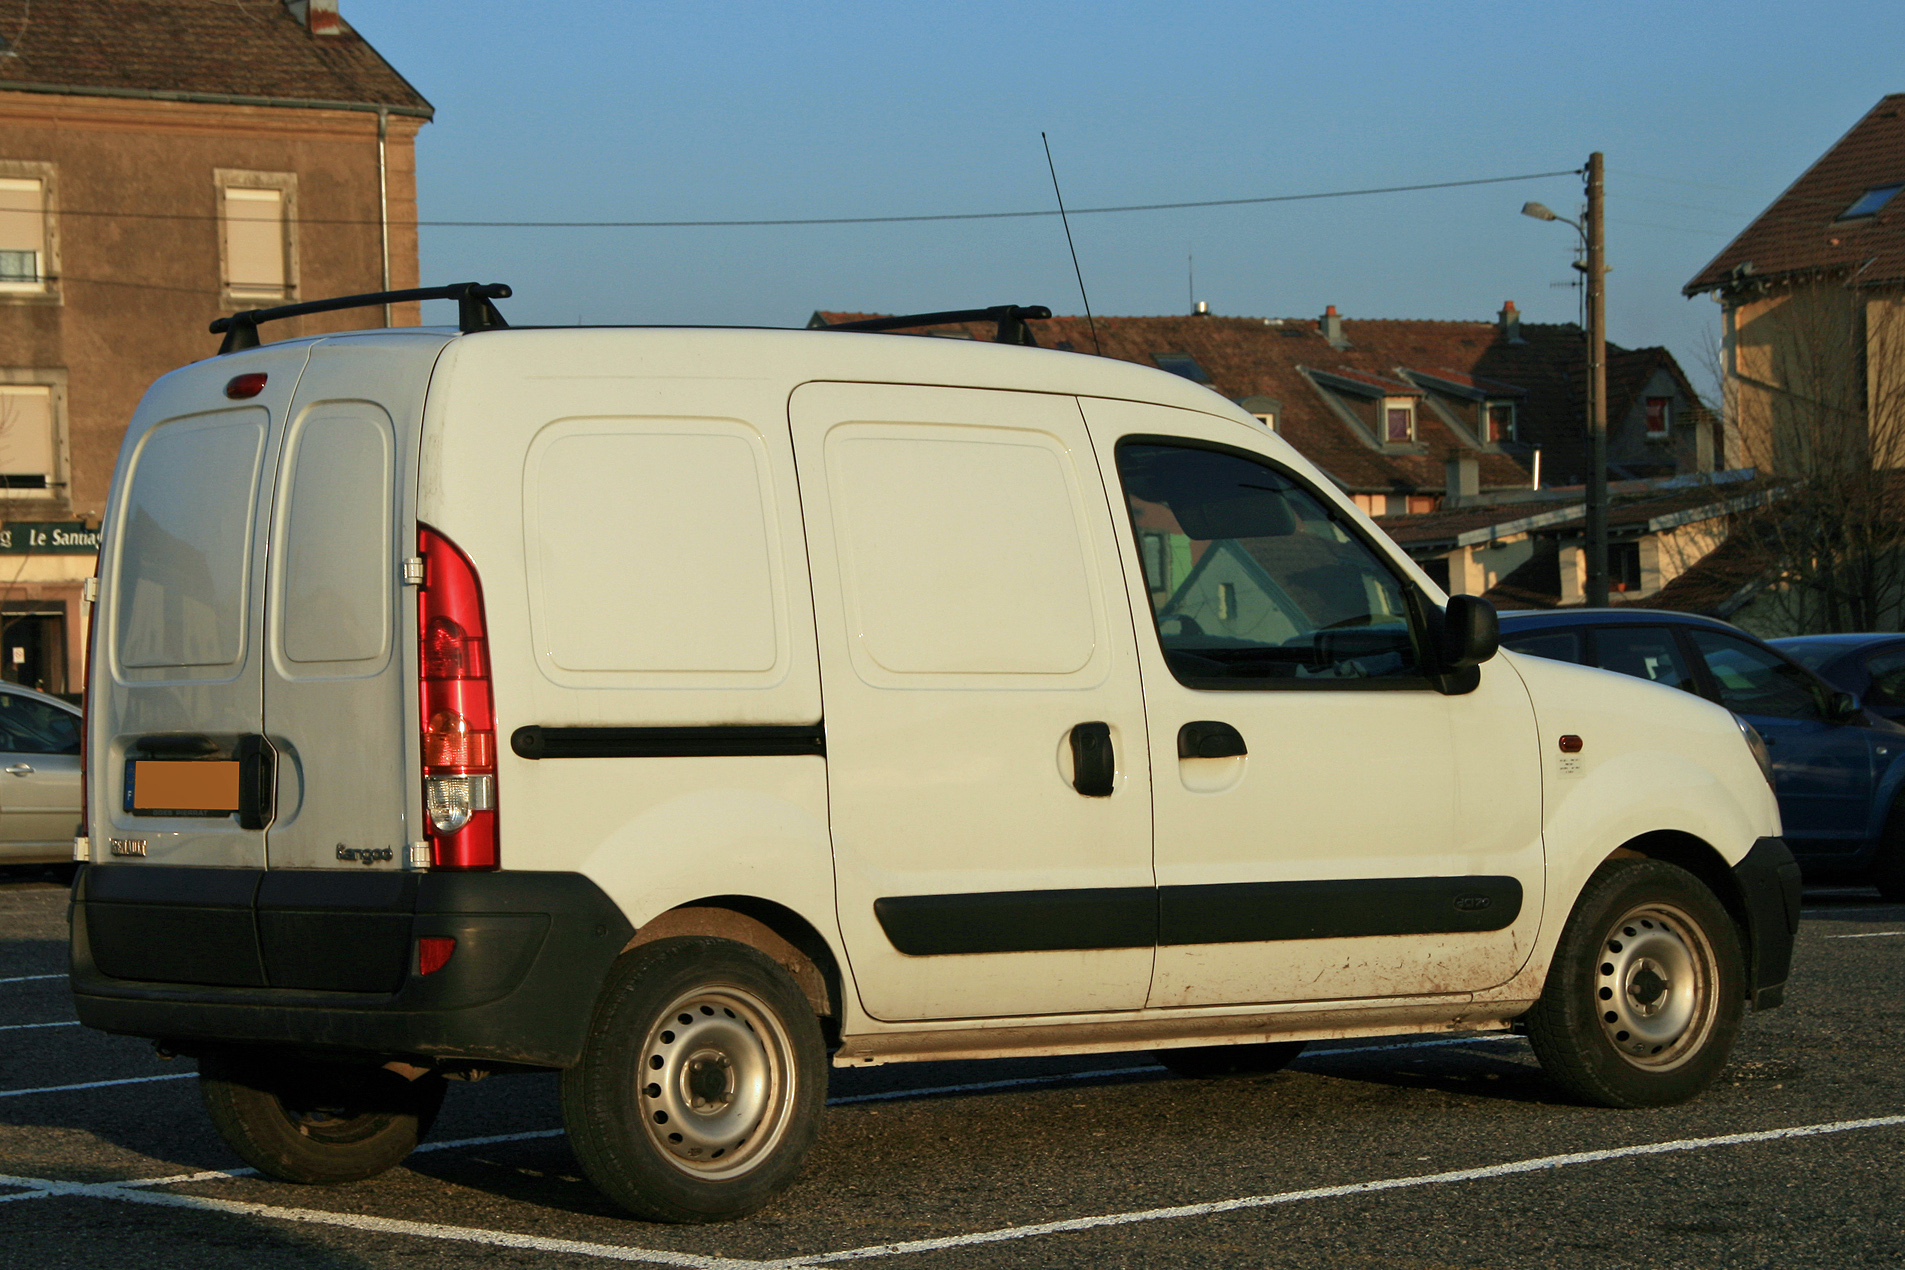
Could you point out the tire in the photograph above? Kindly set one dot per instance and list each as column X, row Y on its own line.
column 1644, row 997
column 316, row 1122
column 1888, row 869
column 1206, row 1062
column 701, row 1084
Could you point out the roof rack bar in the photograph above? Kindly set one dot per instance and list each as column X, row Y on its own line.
column 1011, row 319
column 475, row 312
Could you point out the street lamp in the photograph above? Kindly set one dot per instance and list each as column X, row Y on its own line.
column 1593, row 245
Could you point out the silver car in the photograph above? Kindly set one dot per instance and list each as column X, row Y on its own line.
column 39, row 776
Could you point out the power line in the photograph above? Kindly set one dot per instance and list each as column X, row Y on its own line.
column 856, row 220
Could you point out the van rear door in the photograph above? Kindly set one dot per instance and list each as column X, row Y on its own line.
column 178, row 695
column 339, row 677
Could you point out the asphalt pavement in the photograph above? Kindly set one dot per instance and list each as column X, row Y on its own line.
column 1413, row 1152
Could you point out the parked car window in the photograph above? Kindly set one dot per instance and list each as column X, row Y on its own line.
column 1645, row 652
column 1753, row 680
column 1255, row 582
column 34, row 727
column 1888, row 678
column 1554, row 645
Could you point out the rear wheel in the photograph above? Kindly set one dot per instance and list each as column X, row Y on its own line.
column 1645, row 993
column 1208, row 1061
column 701, row 1086
column 316, row 1122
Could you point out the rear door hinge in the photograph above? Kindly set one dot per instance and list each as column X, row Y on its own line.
column 413, row 571
column 89, row 590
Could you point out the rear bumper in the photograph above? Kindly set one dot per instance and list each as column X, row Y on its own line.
column 327, row 960
column 1769, row 885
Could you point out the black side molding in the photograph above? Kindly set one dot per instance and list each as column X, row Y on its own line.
column 1227, row 913
column 735, row 741
column 1769, row 884
column 1020, row 921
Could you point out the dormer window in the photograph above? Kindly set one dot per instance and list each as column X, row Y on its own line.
column 1181, row 364
column 1269, row 421
column 1659, row 418
column 1398, row 420
column 1872, row 201
column 1498, row 421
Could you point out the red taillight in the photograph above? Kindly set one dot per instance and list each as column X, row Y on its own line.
column 458, row 710
column 239, row 387
column 433, row 953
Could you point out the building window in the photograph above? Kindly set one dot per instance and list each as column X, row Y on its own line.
column 1182, row 364
column 28, row 247
column 1623, row 566
column 1870, row 202
column 27, row 439
column 1398, row 421
column 1500, row 421
column 1268, row 421
column 258, row 242
column 1659, row 416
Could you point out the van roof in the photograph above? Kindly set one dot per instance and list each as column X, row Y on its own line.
column 774, row 352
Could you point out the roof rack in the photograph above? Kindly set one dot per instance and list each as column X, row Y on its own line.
column 1011, row 319
column 475, row 312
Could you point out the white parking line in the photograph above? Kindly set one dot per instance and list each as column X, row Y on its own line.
column 1871, row 934
column 31, row 978
column 21, row 1027
column 125, row 1192
column 1538, row 1164
column 95, row 1084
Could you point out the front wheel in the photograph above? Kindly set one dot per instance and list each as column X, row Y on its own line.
column 701, row 1086
column 1888, row 870
column 1644, row 996
column 316, row 1122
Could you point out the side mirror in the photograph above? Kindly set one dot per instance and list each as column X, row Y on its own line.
column 1841, row 706
column 1471, row 633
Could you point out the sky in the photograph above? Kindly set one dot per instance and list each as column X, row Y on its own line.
column 639, row 111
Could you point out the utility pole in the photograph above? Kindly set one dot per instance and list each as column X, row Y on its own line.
column 1596, row 582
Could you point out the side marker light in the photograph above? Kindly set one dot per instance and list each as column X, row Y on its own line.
column 1570, row 744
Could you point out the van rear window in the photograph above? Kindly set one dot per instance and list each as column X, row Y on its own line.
column 185, row 541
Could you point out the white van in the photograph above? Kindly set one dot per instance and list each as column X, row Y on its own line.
column 686, row 709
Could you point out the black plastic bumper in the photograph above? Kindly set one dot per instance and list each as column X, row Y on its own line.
column 1769, row 885
column 327, row 959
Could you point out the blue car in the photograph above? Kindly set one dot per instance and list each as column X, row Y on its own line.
column 1837, row 767
column 1870, row 667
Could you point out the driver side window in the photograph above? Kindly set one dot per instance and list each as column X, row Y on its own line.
column 1255, row 582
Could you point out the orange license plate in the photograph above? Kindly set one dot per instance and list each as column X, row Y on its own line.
column 158, row 787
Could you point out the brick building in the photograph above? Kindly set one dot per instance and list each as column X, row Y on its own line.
column 162, row 164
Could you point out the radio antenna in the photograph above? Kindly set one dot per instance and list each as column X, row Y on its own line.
column 1066, row 221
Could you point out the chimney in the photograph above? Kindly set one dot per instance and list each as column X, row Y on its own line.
column 1333, row 328
column 318, row 16
column 1465, row 480
column 1510, row 321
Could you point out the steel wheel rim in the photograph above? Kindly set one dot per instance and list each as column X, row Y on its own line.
column 716, row 1082
column 1654, row 987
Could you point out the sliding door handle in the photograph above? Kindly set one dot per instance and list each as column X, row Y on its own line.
column 1207, row 738
column 1094, row 765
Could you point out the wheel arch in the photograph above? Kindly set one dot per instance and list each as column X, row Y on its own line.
column 1698, row 857
column 770, row 928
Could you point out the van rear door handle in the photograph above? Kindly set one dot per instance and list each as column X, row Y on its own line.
column 1207, row 738
column 20, row 769
column 1094, row 765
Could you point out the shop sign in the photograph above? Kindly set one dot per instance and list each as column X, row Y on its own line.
column 48, row 537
